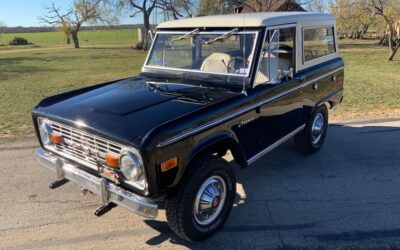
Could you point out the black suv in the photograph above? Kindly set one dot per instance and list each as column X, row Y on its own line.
column 241, row 83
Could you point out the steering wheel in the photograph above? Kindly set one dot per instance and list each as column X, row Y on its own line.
column 233, row 62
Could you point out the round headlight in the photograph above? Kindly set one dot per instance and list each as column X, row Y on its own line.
column 45, row 132
column 131, row 166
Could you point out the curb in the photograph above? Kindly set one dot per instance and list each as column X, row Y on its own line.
column 367, row 121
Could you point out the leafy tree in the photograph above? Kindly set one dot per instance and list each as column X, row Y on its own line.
column 80, row 12
column 354, row 17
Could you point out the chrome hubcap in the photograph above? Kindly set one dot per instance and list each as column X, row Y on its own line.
column 318, row 128
column 210, row 200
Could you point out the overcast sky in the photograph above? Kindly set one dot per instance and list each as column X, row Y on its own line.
column 26, row 12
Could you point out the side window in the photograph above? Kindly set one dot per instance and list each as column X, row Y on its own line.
column 318, row 42
column 278, row 56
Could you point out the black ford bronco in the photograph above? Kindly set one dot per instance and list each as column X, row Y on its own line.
column 241, row 83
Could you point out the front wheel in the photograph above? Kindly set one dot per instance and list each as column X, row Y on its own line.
column 204, row 199
column 312, row 137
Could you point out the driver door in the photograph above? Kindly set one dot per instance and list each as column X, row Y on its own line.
column 283, row 109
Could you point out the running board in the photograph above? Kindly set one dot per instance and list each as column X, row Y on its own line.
column 275, row 145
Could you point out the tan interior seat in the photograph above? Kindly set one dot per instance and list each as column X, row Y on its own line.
column 216, row 62
column 262, row 74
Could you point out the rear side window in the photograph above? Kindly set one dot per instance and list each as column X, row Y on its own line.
column 318, row 42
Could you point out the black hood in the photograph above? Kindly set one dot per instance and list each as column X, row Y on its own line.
column 128, row 110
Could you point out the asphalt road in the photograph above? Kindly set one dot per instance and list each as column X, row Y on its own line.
column 346, row 195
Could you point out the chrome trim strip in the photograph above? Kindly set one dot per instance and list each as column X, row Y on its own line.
column 242, row 111
column 259, row 58
column 199, row 71
column 108, row 191
column 175, row 83
column 275, row 145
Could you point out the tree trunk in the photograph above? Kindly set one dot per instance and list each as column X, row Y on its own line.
column 74, row 35
column 394, row 51
column 393, row 48
column 364, row 31
column 146, row 23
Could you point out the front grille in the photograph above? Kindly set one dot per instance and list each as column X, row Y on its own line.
column 79, row 145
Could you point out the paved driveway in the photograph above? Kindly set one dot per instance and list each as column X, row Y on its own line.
column 347, row 194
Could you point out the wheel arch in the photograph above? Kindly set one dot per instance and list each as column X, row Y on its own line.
column 217, row 143
column 209, row 145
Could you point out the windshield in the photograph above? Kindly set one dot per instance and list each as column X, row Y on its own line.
column 227, row 52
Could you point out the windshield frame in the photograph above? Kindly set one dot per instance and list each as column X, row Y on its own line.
column 252, row 57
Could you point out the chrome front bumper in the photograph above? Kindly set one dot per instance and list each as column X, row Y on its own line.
column 108, row 191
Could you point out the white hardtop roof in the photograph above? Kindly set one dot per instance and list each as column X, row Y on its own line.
column 248, row 20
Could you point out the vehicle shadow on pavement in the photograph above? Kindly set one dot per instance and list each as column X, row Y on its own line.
column 165, row 234
column 345, row 194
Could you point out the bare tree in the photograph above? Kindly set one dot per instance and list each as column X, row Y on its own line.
column 143, row 7
column 212, row 7
column 216, row 7
column 80, row 12
column 178, row 8
column 389, row 11
column 64, row 28
column 316, row 5
column 272, row 5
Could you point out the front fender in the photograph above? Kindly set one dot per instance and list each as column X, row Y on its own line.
column 224, row 140
column 213, row 143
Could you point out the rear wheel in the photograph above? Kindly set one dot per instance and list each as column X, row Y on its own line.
column 204, row 199
column 312, row 137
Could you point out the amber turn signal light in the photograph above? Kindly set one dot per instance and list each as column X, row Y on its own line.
column 167, row 165
column 56, row 138
column 112, row 161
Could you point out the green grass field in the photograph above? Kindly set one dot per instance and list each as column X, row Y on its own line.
column 372, row 87
column 86, row 37
column 372, row 84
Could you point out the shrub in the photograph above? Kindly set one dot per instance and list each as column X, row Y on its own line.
column 139, row 46
column 19, row 41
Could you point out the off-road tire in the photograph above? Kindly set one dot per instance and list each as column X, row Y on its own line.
column 304, row 139
column 180, row 208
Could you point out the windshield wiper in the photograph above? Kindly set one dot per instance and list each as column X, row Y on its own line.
column 186, row 35
column 222, row 37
